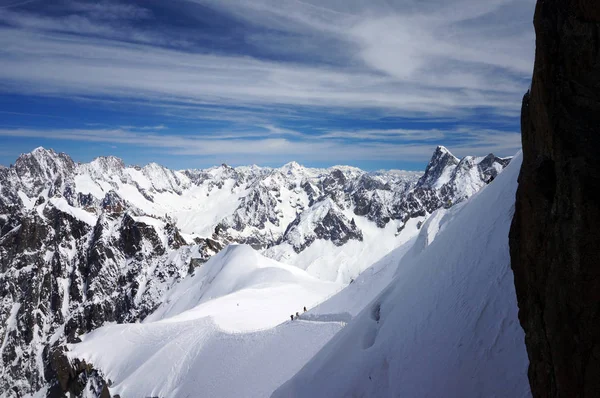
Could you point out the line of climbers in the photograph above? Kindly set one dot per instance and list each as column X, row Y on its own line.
column 297, row 315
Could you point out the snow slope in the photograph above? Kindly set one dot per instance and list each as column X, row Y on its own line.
column 216, row 333
column 241, row 290
column 447, row 323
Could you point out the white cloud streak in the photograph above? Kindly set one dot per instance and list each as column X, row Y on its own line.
column 404, row 59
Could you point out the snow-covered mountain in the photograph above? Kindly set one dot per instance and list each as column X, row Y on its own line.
column 435, row 317
column 86, row 244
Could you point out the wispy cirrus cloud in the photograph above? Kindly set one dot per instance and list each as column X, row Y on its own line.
column 408, row 60
column 260, row 66
column 107, row 10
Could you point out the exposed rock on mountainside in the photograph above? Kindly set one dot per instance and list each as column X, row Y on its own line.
column 72, row 377
column 555, row 234
column 325, row 222
column 447, row 181
column 86, row 244
column 438, row 170
column 456, row 180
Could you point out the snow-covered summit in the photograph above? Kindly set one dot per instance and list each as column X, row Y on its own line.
column 439, row 169
column 291, row 166
column 103, row 166
column 43, row 169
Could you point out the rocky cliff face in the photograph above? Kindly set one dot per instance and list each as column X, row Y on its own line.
column 555, row 235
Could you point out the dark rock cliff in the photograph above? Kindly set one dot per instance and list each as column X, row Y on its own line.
column 555, row 235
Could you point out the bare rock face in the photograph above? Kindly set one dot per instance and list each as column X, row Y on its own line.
column 555, row 235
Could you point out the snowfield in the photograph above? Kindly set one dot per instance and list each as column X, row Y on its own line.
column 435, row 317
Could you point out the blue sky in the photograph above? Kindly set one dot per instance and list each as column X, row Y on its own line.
column 374, row 83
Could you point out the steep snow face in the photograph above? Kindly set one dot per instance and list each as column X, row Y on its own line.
column 163, row 179
column 216, row 332
column 102, row 167
column 446, row 324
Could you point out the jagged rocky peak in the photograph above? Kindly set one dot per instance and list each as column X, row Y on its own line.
column 222, row 171
column 42, row 168
column 254, row 219
column 455, row 180
column 467, row 165
column 139, row 237
column 334, row 186
column 372, row 197
column 218, row 175
column 45, row 157
column 371, row 182
column 439, row 169
column 324, row 220
column 112, row 202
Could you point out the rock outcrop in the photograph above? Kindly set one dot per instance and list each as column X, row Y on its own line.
column 555, row 235
column 326, row 222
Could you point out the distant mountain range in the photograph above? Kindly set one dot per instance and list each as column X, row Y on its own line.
column 83, row 244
